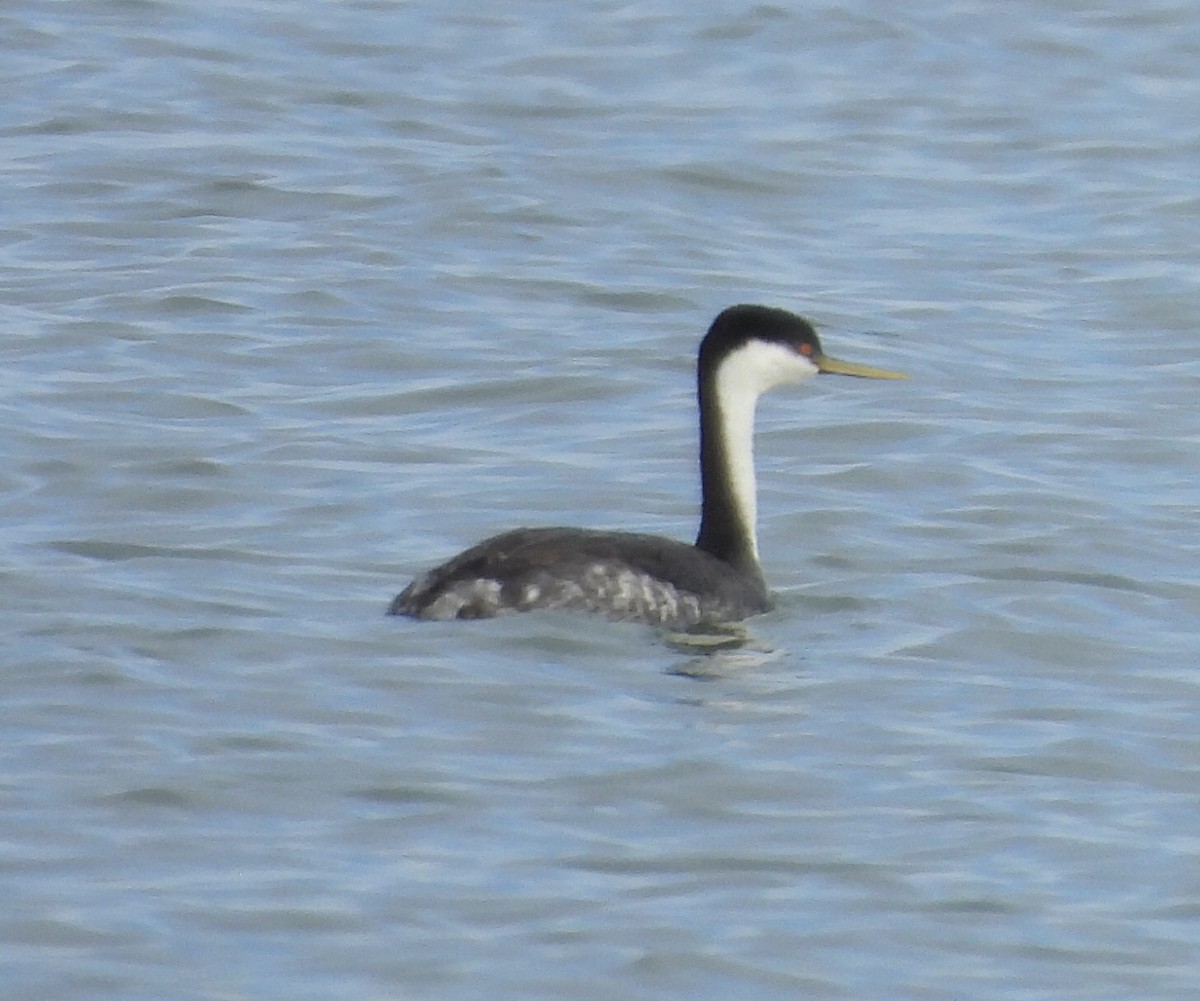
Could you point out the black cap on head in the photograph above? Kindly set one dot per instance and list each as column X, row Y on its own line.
column 736, row 325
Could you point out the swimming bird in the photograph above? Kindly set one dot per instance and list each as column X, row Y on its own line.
column 626, row 575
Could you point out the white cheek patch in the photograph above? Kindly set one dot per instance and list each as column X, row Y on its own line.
column 761, row 365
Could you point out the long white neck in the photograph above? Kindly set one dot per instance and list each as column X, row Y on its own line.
column 737, row 403
column 728, row 401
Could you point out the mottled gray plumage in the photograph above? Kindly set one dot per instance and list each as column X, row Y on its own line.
column 623, row 575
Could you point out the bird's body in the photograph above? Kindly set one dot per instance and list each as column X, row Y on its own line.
column 627, row 575
column 624, row 575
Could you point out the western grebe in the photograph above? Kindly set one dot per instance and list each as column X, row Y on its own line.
column 625, row 575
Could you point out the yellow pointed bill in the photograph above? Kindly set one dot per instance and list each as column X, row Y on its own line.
column 835, row 366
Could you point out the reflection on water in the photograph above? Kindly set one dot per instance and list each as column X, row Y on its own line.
column 718, row 651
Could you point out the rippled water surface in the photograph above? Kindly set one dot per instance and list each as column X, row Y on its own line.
column 299, row 299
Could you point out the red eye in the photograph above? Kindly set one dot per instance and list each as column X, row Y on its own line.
column 805, row 349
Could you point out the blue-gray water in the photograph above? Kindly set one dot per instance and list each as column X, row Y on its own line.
column 298, row 299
